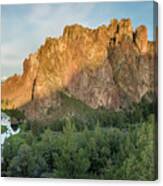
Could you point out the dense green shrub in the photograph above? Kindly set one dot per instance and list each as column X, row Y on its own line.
column 14, row 113
column 109, row 153
column 3, row 129
column 104, row 145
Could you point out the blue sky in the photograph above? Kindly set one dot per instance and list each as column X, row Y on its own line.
column 25, row 27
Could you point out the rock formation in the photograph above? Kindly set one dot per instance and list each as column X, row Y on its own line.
column 18, row 90
column 141, row 38
column 104, row 67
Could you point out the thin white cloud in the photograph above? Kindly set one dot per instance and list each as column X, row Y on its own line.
column 42, row 21
column 50, row 20
column 12, row 56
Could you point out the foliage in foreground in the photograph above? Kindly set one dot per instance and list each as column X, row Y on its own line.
column 3, row 129
column 100, row 153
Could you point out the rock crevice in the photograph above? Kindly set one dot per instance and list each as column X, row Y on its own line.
column 101, row 67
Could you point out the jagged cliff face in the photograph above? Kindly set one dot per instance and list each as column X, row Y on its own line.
column 108, row 66
column 18, row 90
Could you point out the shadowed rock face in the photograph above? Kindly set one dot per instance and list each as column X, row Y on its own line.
column 107, row 66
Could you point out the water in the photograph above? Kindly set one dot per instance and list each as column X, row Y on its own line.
column 6, row 121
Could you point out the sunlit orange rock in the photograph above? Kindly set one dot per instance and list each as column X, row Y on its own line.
column 102, row 67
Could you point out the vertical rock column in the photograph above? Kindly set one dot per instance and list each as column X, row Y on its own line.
column 141, row 39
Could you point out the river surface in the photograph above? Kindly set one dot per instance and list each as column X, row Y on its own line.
column 6, row 121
